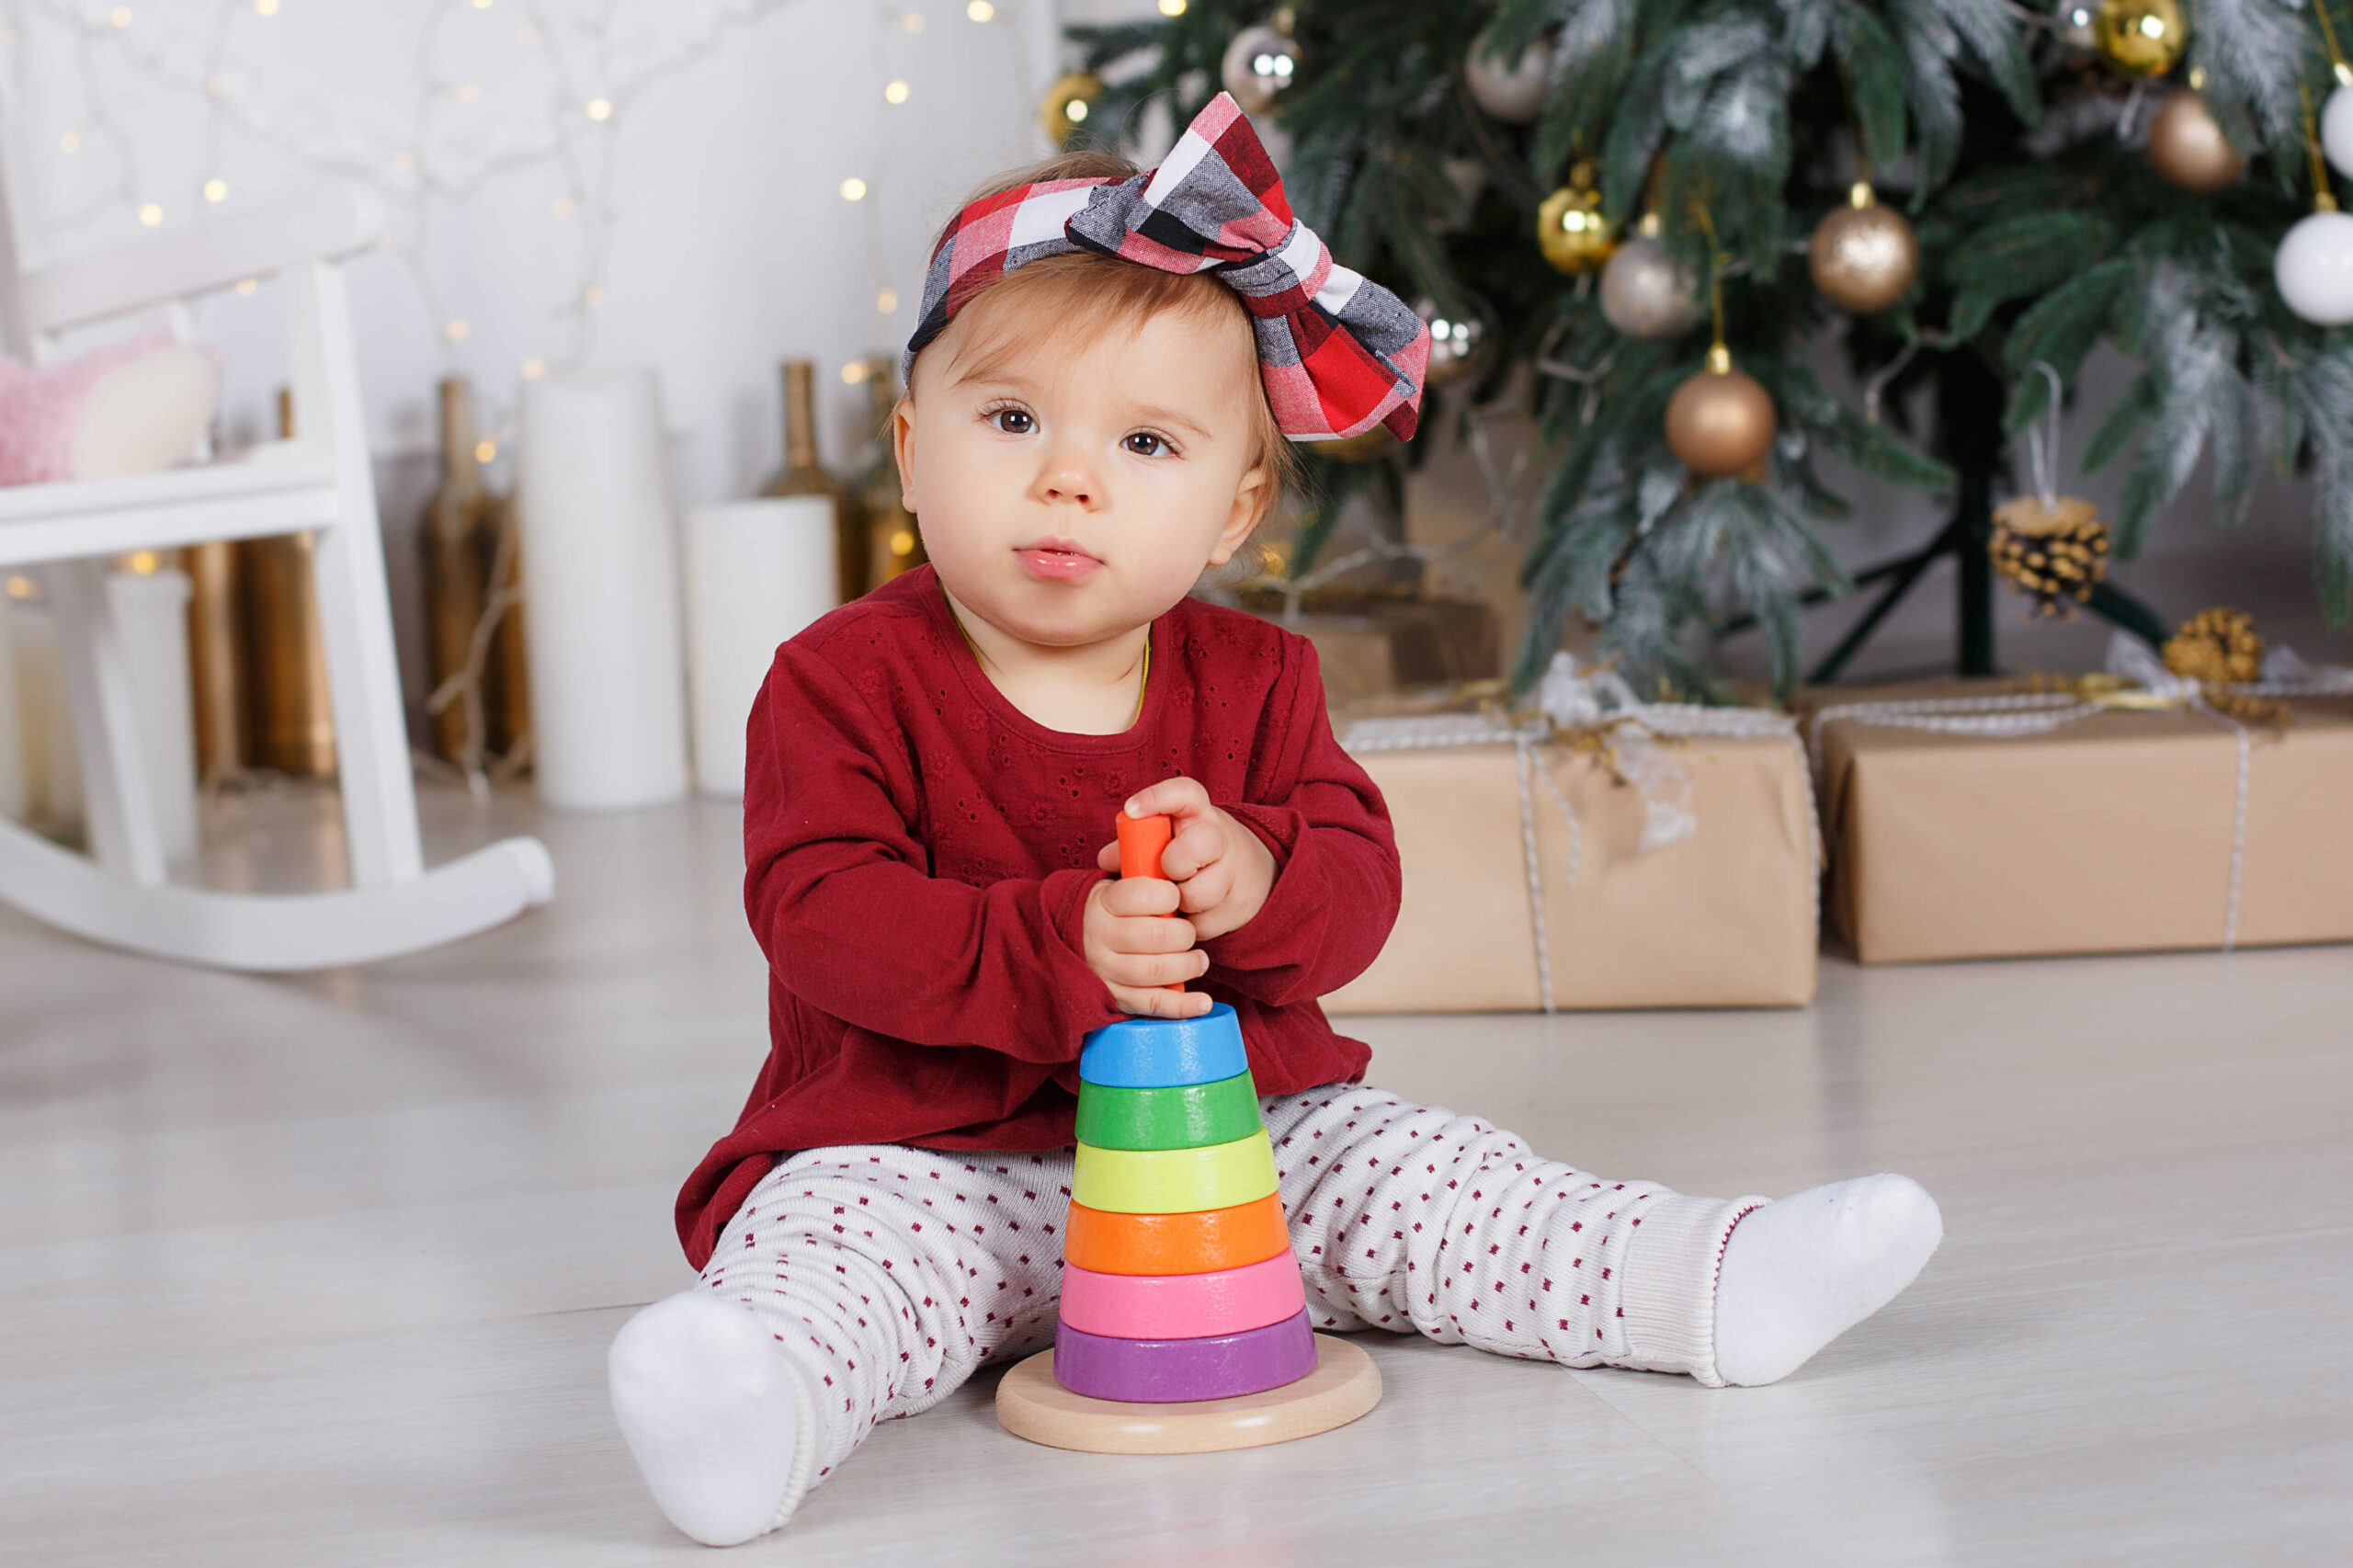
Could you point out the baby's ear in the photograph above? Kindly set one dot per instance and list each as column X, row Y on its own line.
column 903, row 431
column 1253, row 499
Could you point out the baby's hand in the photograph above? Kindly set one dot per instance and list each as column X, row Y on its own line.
column 1131, row 944
column 1221, row 870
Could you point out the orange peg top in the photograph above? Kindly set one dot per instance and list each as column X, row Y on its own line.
column 1141, row 841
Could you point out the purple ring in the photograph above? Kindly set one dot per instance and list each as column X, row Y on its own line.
column 1177, row 1371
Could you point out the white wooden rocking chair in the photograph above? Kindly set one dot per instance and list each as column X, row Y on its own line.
column 62, row 534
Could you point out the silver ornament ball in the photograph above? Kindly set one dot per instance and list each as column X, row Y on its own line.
column 1512, row 92
column 2075, row 23
column 2314, row 268
column 1456, row 343
column 1259, row 63
column 1646, row 293
column 2337, row 128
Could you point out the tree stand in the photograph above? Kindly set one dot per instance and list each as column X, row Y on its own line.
column 1184, row 1326
column 1969, row 407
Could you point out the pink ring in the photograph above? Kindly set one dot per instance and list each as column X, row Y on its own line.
column 1182, row 1306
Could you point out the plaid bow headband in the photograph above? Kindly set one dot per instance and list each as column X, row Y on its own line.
column 1338, row 354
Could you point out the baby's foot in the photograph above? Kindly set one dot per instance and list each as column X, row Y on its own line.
column 1799, row 1272
column 713, row 1415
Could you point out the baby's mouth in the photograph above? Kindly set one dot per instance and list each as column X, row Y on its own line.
column 1057, row 560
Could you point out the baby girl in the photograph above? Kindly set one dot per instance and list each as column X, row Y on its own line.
column 1108, row 365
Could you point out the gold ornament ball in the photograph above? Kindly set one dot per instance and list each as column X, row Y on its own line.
column 2141, row 38
column 1570, row 228
column 1068, row 103
column 1864, row 256
column 1721, row 421
column 2188, row 148
column 1258, row 64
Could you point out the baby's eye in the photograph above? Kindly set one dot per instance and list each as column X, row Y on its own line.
column 1144, row 444
column 1013, row 421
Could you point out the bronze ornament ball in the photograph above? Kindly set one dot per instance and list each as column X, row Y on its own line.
column 1863, row 256
column 2141, row 38
column 1719, row 421
column 2187, row 147
column 1570, row 229
column 1068, row 103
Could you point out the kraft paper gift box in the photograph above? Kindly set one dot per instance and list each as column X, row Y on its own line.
column 1541, row 873
column 2046, row 824
column 1371, row 645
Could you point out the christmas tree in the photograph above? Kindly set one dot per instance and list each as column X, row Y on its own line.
column 1652, row 216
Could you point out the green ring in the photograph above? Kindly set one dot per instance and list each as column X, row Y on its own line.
column 1189, row 1115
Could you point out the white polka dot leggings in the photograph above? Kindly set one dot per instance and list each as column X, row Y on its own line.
column 890, row 1274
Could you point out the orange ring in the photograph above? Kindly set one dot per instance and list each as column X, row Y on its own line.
column 1200, row 1243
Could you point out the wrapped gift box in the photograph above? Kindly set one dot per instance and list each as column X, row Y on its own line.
column 1723, row 914
column 1371, row 645
column 2113, row 831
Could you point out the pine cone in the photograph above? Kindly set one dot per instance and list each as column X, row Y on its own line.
column 2218, row 647
column 2055, row 554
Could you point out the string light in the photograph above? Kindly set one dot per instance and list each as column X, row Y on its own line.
column 854, row 373
column 534, row 368
column 600, row 109
column 145, row 562
column 466, row 92
column 485, row 450
column 980, row 11
column 459, row 330
column 119, row 16
column 21, row 589
column 912, row 21
column 265, row 7
column 894, row 92
column 853, row 189
column 248, row 285
column 71, row 141
column 482, row 5
column 1172, row 8
column 216, row 189
column 593, row 295
column 150, row 214
column 886, row 301
column 562, row 207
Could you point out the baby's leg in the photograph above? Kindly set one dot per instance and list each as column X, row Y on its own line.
column 1406, row 1217
column 854, row 1285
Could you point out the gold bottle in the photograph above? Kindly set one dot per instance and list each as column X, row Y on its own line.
column 801, row 476
column 293, row 710
column 216, row 659
column 456, row 545
column 893, row 543
column 508, row 697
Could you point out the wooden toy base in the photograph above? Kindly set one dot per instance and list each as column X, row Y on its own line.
column 1345, row 1385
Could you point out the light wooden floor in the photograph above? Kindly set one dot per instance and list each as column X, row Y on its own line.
column 324, row 1270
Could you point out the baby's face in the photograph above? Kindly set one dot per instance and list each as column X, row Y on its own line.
column 1070, row 488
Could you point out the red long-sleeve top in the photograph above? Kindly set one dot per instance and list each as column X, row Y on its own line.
column 918, row 854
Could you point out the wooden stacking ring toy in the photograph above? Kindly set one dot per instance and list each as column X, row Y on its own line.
column 1184, row 1322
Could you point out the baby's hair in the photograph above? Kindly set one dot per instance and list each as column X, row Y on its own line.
column 1084, row 292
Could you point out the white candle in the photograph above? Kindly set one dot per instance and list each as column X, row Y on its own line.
column 53, row 769
column 151, row 621
column 756, row 573
column 601, row 585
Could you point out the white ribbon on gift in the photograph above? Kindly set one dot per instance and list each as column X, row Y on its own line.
column 1571, row 702
column 2147, row 684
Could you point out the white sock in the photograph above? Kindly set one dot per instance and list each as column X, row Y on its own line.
column 1799, row 1272
column 713, row 1415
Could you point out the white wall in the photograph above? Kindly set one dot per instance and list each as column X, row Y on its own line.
column 705, row 210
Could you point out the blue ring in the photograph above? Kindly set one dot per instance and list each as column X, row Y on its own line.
column 1165, row 1053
